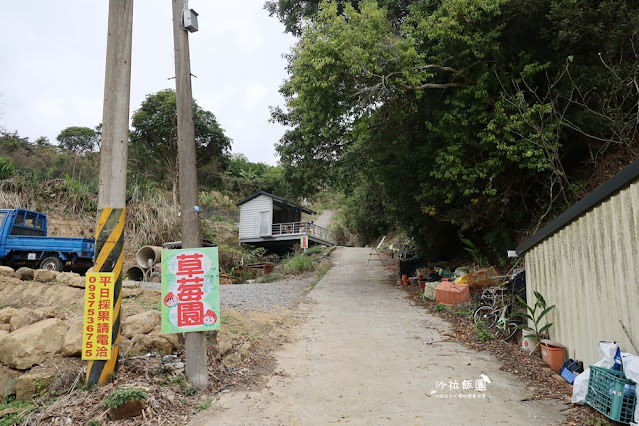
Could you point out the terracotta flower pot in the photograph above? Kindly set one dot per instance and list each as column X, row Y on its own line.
column 553, row 355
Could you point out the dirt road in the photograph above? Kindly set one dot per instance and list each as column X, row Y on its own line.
column 365, row 355
column 324, row 219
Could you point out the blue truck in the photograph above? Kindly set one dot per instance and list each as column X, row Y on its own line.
column 24, row 242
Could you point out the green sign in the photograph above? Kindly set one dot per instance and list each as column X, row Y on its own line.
column 190, row 290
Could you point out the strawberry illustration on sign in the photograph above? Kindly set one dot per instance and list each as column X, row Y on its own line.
column 170, row 300
column 209, row 317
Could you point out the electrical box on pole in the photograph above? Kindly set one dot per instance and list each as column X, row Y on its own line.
column 190, row 20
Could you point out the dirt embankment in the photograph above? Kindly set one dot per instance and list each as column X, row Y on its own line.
column 246, row 339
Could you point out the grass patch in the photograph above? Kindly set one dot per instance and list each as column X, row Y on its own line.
column 466, row 313
column 205, row 405
column 270, row 278
column 179, row 381
column 483, row 335
column 298, row 264
column 439, row 307
column 20, row 408
column 318, row 250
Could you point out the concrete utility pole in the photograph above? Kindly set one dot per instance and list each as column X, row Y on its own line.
column 109, row 235
column 195, row 342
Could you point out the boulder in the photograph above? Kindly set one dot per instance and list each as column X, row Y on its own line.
column 33, row 344
column 141, row 344
column 77, row 282
column 246, row 349
column 7, row 381
column 6, row 271
column 232, row 361
column 223, row 348
column 3, row 334
column 46, row 294
column 25, row 274
column 47, row 312
column 142, row 323
column 72, row 345
column 6, row 314
column 131, row 292
column 125, row 344
column 45, row 276
column 32, row 383
column 172, row 338
column 25, row 317
column 66, row 277
column 5, row 327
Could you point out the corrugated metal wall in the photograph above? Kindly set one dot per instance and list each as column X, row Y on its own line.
column 590, row 270
column 250, row 216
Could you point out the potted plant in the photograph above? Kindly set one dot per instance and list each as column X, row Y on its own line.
column 124, row 402
column 535, row 314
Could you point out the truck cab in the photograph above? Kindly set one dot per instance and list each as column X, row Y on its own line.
column 24, row 242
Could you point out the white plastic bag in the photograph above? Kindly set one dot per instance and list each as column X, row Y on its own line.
column 607, row 350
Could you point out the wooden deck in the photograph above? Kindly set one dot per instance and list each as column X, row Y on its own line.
column 293, row 231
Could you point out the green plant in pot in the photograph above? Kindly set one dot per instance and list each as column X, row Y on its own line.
column 535, row 314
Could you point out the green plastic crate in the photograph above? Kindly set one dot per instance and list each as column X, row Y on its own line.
column 610, row 393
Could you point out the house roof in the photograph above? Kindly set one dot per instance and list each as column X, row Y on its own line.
column 276, row 198
column 609, row 188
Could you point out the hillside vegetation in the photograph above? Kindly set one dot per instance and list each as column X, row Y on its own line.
column 64, row 184
column 458, row 118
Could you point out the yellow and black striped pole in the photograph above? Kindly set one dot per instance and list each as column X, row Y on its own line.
column 109, row 240
column 109, row 243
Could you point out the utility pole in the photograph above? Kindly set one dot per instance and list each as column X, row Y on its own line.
column 195, row 342
column 109, row 234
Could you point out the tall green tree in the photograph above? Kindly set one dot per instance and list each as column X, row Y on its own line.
column 79, row 140
column 154, row 138
column 492, row 108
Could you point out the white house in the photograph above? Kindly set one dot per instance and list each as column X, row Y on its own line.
column 267, row 220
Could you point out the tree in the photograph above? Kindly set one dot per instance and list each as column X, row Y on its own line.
column 154, row 137
column 297, row 14
column 492, row 124
column 42, row 141
column 79, row 140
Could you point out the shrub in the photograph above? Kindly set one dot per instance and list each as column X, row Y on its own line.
column 7, row 169
column 121, row 395
column 482, row 333
column 298, row 264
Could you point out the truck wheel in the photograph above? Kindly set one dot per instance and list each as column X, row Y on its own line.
column 52, row 263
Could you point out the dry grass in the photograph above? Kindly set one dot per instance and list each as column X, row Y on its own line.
column 63, row 195
column 152, row 221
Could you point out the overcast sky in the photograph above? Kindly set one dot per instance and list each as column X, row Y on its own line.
column 53, row 56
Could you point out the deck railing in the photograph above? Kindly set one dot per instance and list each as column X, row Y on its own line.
column 303, row 228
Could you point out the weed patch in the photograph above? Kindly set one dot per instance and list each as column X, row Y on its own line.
column 483, row 335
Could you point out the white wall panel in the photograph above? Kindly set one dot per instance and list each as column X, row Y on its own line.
column 590, row 270
column 250, row 216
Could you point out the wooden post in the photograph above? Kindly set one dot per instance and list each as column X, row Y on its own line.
column 195, row 342
column 109, row 239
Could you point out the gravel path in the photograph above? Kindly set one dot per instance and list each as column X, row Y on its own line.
column 264, row 297
column 253, row 297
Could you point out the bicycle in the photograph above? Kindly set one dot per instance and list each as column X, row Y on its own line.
column 496, row 314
